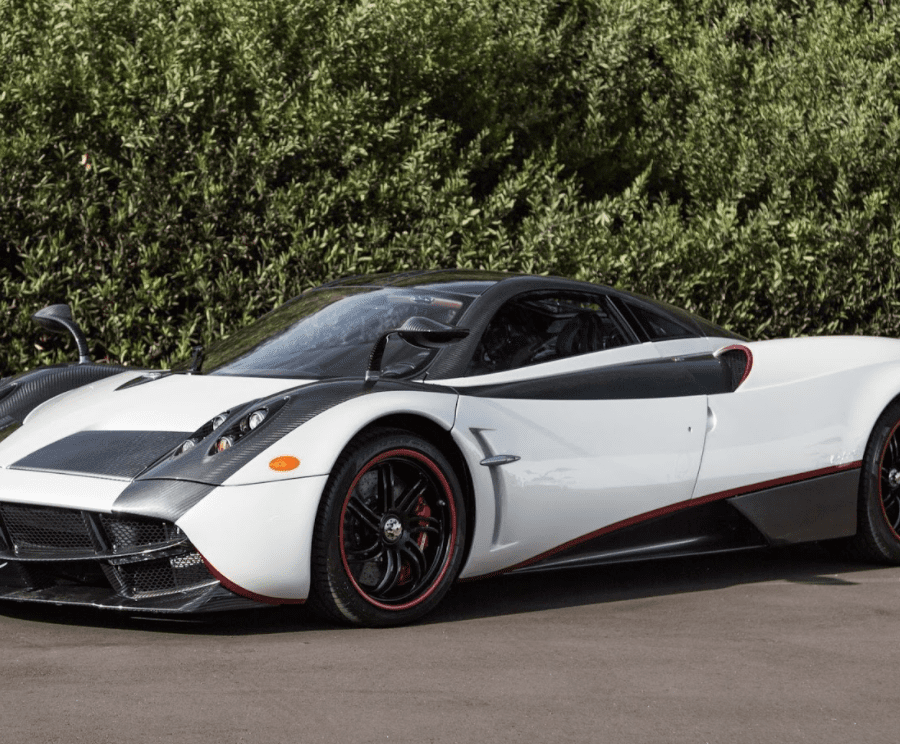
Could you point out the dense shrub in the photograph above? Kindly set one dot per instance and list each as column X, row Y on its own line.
column 173, row 168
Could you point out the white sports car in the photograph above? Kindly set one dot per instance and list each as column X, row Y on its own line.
column 372, row 441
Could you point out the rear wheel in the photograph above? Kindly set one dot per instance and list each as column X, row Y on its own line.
column 878, row 516
column 389, row 532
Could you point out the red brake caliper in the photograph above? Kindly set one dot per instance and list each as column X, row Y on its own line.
column 422, row 510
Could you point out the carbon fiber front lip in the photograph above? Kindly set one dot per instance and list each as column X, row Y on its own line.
column 212, row 598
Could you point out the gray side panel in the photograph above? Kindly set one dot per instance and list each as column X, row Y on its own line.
column 817, row 509
column 116, row 454
column 160, row 499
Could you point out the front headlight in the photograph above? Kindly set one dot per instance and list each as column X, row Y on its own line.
column 237, row 431
column 202, row 433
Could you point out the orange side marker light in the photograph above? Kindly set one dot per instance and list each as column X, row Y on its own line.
column 284, row 463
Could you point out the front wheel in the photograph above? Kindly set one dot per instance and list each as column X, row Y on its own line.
column 878, row 515
column 389, row 531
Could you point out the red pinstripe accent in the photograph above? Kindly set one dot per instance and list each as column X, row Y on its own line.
column 231, row 586
column 672, row 508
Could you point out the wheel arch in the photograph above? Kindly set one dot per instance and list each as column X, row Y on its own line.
column 872, row 399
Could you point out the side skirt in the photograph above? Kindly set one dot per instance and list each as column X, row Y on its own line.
column 817, row 509
column 804, row 508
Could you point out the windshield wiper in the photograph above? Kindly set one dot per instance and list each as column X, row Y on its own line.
column 196, row 360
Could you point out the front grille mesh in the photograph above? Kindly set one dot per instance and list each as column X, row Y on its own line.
column 162, row 575
column 129, row 533
column 70, row 547
column 43, row 528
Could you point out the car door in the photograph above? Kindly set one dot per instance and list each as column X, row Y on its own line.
column 577, row 425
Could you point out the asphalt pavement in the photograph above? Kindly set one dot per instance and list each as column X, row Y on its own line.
column 784, row 646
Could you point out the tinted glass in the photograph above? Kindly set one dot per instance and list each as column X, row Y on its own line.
column 330, row 333
column 658, row 326
column 677, row 321
column 541, row 327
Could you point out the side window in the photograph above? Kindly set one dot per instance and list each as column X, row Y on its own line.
column 541, row 327
column 657, row 326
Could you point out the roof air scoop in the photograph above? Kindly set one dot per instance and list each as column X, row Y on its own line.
column 58, row 319
column 420, row 331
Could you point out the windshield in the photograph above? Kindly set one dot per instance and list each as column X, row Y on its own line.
column 330, row 333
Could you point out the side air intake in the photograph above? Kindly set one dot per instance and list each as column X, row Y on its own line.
column 739, row 361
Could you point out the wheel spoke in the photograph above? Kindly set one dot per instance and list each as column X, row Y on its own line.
column 892, row 453
column 405, row 502
column 386, row 485
column 422, row 519
column 396, row 531
column 426, row 524
column 359, row 509
column 393, row 566
column 365, row 554
column 890, row 501
column 416, row 559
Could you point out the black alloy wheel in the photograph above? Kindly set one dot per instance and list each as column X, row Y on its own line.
column 389, row 533
column 878, row 515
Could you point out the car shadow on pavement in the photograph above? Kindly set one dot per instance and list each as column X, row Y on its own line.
column 511, row 594
column 503, row 595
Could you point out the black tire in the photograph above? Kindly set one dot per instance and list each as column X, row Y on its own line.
column 389, row 533
column 878, row 515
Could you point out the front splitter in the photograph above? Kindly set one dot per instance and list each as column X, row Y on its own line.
column 210, row 598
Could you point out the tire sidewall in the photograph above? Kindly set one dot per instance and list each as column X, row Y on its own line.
column 883, row 541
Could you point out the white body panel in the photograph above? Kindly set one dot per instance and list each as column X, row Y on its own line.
column 808, row 404
column 584, row 465
column 259, row 536
column 54, row 489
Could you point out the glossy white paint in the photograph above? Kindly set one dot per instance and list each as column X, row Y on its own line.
column 808, row 404
column 259, row 536
column 584, row 465
column 794, row 360
column 54, row 489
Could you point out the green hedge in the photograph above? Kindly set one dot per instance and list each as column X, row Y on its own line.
column 173, row 169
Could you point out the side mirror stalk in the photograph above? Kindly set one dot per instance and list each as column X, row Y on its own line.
column 58, row 319
column 418, row 331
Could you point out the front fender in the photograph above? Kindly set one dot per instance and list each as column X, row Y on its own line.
column 319, row 441
column 313, row 424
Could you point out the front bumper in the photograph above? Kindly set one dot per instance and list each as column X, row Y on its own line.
column 72, row 556
column 64, row 541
